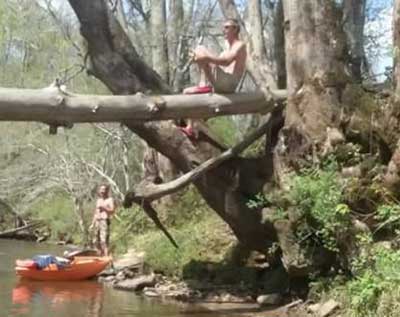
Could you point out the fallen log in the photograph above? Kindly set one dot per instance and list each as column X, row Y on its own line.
column 13, row 233
column 55, row 106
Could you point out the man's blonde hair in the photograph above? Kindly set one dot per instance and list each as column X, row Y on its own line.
column 235, row 23
column 107, row 186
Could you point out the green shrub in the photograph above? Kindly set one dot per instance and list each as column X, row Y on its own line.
column 259, row 201
column 317, row 195
column 189, row 206
column 56, row 210
column 376, row 290
column 388, row 216
column 364, row 294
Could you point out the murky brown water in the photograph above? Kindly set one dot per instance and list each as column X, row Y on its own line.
column 86, row 298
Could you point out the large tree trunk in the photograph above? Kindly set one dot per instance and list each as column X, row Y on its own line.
column 258, row 51
column 315, row 55
column 396, row 47
column 392, row 176
column 159, row 38
column 226, row 188
column 279, row 47
column 354, row 20
column 177, row 44
column 256, row 28
column 315, row 48
column 114, row 60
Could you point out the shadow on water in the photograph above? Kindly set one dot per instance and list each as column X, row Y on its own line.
column 57, row 295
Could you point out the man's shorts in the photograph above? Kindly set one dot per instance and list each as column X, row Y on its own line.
column 102, row 235
column 224, row 82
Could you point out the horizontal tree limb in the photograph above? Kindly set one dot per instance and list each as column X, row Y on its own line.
column 11, row 232
column 149, row 191
column 55, row 106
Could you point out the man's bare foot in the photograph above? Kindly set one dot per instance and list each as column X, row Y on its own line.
column 190, row 132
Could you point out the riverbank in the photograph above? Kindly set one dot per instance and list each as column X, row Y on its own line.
column 210, row 268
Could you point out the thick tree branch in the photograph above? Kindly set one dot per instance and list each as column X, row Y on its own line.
column 147, row 191
column 51, row 105
column 12, row 232
column 151, row 191
column 149, row 210
column 114, row 59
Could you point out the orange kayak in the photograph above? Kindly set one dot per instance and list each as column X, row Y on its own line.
column 80, row 268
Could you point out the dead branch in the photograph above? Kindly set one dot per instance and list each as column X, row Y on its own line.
column 150, row 191
column 12, row 232
column 149, row 210
column 56, row 106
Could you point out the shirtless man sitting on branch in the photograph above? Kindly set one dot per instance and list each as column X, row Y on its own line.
column 222, row 72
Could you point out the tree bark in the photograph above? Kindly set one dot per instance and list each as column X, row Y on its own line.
column 159, row 39
column 177, row 44
column 396, row 47
column 315, row 50
column 150, row 191
column 257, row 46
column 279, row 45
column 54, row 106
column 354, row 20
column 392, row 176
column 114, row 60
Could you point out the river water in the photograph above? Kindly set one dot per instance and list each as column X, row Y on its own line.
column 69, row 299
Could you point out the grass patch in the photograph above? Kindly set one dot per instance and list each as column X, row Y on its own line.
column 373, row 292
column 207, row 240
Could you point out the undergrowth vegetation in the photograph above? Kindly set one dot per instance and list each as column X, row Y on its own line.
column 57, row 210
column 323, row 201
column 374, row 288
column 203, row 240
column 322, row 198
column 317, row 195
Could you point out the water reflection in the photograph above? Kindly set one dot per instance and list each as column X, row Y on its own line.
column 58, row 296
column 80, row 298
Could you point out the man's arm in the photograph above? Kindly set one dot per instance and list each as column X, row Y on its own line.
column 224, row 59
column 109, row 208
column 94, row 218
